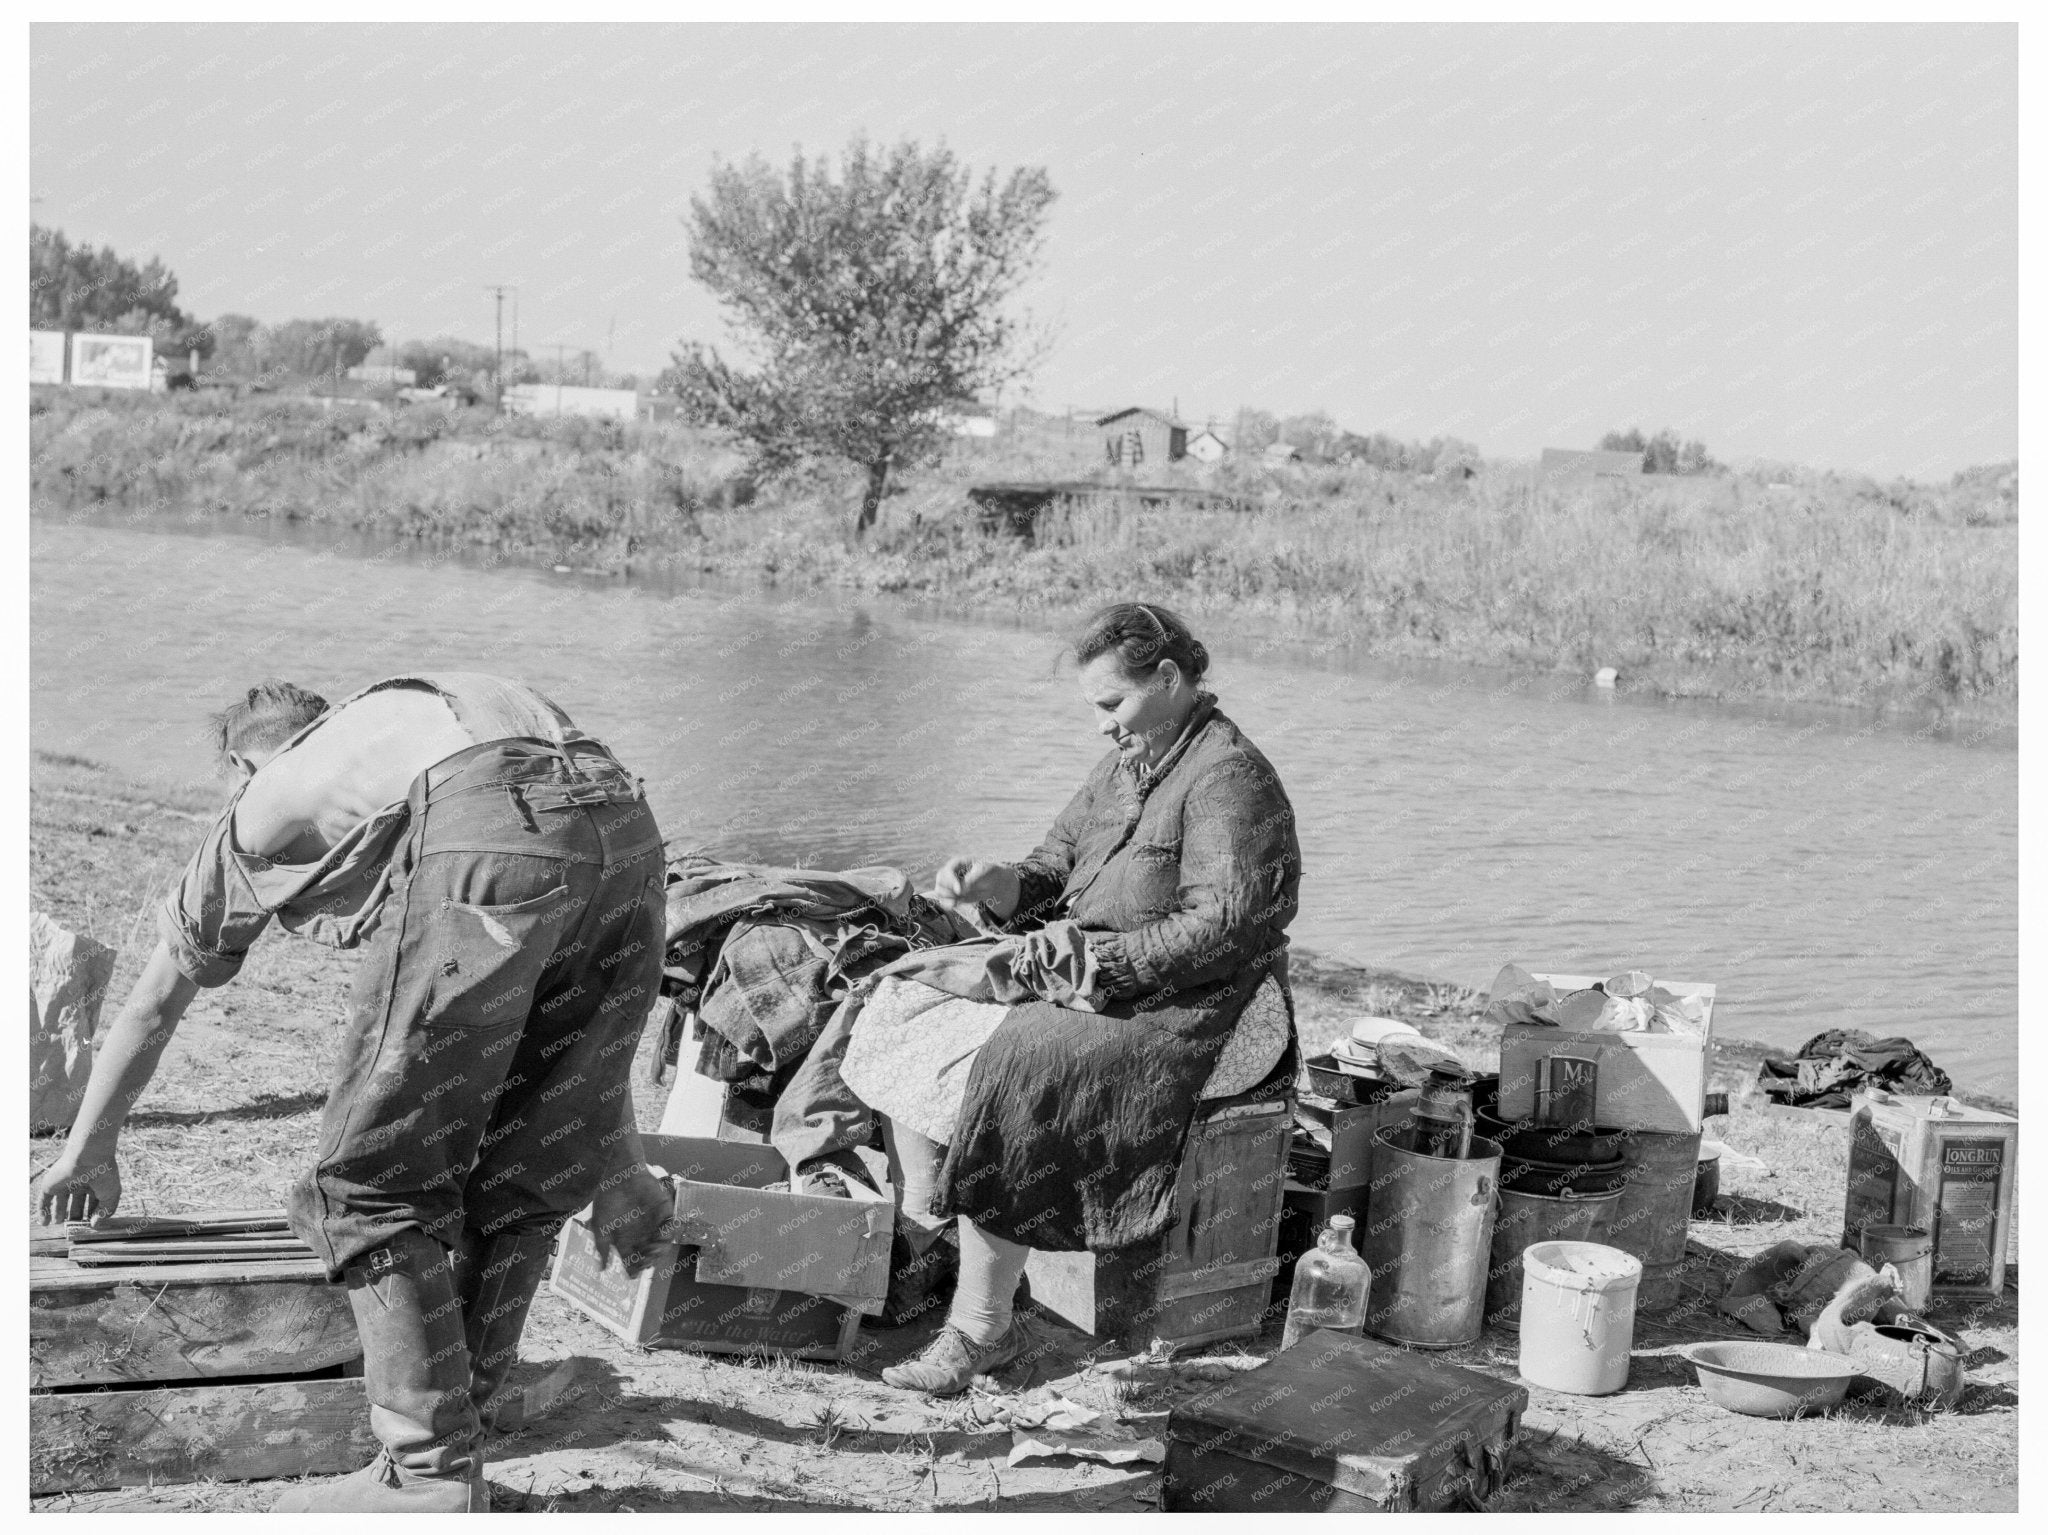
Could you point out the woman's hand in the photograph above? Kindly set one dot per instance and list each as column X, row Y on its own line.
column 970, row 881
column 68, row 1192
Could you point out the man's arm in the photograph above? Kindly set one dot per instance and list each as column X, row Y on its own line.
column 84, row 1182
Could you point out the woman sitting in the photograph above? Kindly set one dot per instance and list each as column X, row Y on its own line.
column 1155, row 912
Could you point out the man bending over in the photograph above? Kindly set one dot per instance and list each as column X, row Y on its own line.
column 503, row 874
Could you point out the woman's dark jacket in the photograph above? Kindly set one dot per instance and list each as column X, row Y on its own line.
column 1185, row 879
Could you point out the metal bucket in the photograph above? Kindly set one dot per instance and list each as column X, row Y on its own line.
column 1521, row 1222
column 1662, row 1285
column 1427, row 1238
column 1921, row 1365
column 1910, row 1250
column 1656, row 1202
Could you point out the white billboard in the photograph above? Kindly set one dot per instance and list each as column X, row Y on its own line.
column 114, row 362
column 570, row 400
column 46, row 357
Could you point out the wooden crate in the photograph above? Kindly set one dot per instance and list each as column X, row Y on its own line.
column 1211, row 1276
column 663, row 1306
column 237, row 1431
column 773, row 1272
column 1655, row 1082
column 150, row 1374
column 183, row 1321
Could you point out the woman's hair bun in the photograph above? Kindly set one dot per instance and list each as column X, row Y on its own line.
column 1142, row 634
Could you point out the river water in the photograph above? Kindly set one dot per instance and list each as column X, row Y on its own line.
column 1822, row 873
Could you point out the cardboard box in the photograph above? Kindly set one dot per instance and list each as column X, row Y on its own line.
column 755, row 1268
column 1943, row 1166
column 1654, row 1082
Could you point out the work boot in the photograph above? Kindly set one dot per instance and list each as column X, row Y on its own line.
column 950, row 1362
column 416, row 1374
column 498, row 1276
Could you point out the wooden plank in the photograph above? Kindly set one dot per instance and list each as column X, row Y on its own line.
column 85, row 1441
column 224, row 1223
column 48, row 1272
column 115, row 1254
column 92, row 1327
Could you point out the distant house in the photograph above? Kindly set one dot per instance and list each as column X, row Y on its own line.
column 1206, row 446
column 1281, row 453
column 383, row 373
column 1136, row 436
column 967, row 418
column 1593, row 463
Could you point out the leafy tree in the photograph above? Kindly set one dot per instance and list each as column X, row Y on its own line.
column 871, row 301
column 78, row 287
column 1664, row 453
column 316, row 348
column 448, row 360
column 1314, row 433
column 1387, row 452
column 1255, row 431
column 235, row 338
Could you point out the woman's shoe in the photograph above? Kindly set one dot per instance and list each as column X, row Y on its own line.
column 950, row 1362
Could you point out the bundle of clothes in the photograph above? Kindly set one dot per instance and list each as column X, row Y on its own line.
column 1835, row 1065
column 764, row 955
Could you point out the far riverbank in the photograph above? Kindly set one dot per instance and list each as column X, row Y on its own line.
column 1899, row 600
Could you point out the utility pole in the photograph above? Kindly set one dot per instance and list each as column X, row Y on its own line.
column 498, row 347
column 558, row 377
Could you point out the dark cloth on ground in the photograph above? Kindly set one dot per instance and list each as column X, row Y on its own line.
column 1834, row 1065
column 484, row 1080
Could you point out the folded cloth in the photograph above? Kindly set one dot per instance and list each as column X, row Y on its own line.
column 1048, row 964
column 704, row 896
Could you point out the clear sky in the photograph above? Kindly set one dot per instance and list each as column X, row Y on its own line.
column 1792, row 242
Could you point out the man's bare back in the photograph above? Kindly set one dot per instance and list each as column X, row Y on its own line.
column 363, row 757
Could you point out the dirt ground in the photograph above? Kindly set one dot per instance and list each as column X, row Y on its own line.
column 233, row 1112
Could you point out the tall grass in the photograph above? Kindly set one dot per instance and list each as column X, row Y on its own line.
column 1799, row 585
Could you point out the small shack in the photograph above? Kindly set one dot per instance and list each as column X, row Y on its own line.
column 1589, row 464
column 1136, row 436
column 1281, row 453
column 966, row 418
column 1206, row 447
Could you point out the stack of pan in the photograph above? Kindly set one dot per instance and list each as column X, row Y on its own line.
column 1557, row 1184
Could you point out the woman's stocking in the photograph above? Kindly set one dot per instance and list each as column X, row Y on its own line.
column 914, row 1168
column 989, row 1270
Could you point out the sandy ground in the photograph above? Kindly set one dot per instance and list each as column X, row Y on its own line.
column 233, row 1112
